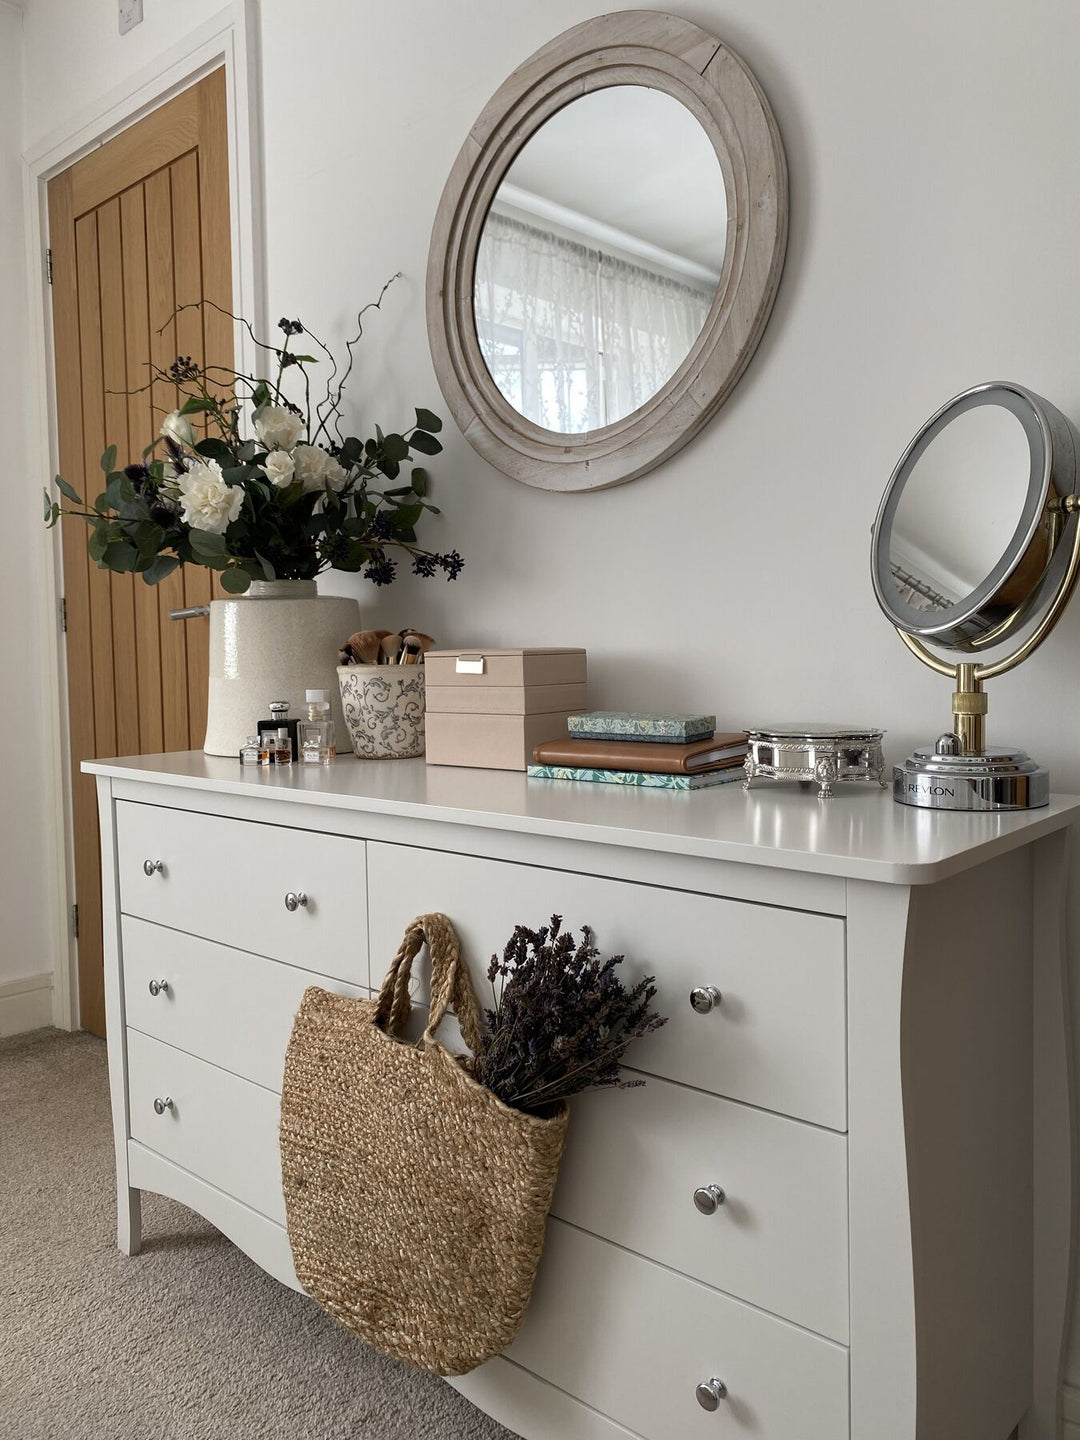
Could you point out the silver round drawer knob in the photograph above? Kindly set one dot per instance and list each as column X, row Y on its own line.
column 158, row 987
column 705, row 998
column 162, row 1105
column 295, row 900
column 709, row 1198
column 710, row 1392
column 153, row 867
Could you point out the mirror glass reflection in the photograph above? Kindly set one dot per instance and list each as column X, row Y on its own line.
column 960, row 508
column 600, row 258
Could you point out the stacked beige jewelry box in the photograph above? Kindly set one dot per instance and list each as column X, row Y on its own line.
column 491, row 708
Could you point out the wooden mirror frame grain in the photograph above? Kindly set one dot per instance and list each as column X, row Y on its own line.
column 631, row 47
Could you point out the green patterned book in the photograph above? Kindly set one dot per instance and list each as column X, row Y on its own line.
column 640, row 778
column 623, row 725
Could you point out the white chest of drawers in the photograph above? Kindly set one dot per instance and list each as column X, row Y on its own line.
column 843, row 1192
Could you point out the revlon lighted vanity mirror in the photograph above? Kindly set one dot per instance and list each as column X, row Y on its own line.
column 606, row 251
column 977, row 548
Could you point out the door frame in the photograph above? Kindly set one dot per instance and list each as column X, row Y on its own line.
column 230, row 38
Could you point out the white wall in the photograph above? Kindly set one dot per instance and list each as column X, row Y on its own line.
column 934, row 215
column 24, row 855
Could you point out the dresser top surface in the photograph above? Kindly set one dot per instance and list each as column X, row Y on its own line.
column 861, row 833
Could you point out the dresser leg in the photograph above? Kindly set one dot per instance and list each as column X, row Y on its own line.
column 129, row 1221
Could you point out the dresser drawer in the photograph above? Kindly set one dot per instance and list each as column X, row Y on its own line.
column 634, row 1340
column 634, row 1159
column 226, row 1006
column 775, row 1039
column 227, row 880
column 220, row 1128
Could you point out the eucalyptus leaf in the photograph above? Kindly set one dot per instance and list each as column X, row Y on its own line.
column 214, row 449
column 407, row 516
column 204, row 542
column 428, row 420
column 68, row 492
column 160, row 570
column 390, row 468
column 395, row 447
column 108, row 460
column 235, row 580
column 419, row 480
column 195, row 404
column 425, row 443
column 268, row 569
column 120, row 556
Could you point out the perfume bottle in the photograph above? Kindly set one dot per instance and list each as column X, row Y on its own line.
column 317, row 731
column 249, row 751
column 267, row 747
column 279, row 715
column 283, row 747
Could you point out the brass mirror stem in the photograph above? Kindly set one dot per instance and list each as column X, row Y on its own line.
column 969, row 701
column 969, row 704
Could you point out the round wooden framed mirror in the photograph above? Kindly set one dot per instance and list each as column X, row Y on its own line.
column 606, row 251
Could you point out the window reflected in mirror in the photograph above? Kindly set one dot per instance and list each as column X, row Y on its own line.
column 600, row 258
column 959, row 508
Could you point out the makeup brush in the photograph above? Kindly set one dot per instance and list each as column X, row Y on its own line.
column 415, row 644
column 363, row 647
column 389, row 649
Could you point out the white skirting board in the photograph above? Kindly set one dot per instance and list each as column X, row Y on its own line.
column 25, row 1004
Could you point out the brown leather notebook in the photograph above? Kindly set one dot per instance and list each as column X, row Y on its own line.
column 647, row 755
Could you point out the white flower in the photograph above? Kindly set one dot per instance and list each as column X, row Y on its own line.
column 279, row 466
column 207, row 502
column 177, row 427
column 317, row 470
column 278, row 428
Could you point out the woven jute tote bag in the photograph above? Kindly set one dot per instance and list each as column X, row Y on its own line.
column 415, row 1199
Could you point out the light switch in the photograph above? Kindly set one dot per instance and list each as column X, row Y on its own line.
column 130, row 15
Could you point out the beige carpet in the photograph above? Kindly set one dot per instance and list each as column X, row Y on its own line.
column 191, row 1340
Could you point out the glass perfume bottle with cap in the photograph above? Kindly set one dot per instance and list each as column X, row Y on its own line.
column 283, row 748
column 249, row 751
column 317, row 731
column 279, row 716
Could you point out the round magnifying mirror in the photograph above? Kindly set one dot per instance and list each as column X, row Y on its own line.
column 600, row 258
column 977, row 540
column 967, row 530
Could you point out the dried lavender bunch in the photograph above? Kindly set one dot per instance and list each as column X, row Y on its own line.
column 562, row 1019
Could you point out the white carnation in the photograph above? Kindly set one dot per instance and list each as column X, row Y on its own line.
column 177, row 427
column 207, row 502
column 278, row 428
column 316, row 470
column 279, row 466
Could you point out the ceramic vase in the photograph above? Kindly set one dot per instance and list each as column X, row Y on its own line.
column 275, row 642
column 384, row 710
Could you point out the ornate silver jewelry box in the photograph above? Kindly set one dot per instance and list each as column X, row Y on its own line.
column 818, row 754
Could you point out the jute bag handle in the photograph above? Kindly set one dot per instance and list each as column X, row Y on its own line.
column 451, row 987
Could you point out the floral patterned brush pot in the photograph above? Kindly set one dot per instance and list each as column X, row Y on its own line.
column 384, row 710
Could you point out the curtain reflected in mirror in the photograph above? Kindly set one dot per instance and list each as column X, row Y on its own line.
column 959, row 508
column 600, row 259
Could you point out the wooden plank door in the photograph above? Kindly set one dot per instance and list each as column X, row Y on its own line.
column 137, row 228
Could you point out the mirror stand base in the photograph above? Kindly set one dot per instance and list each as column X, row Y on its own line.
column 936, row 777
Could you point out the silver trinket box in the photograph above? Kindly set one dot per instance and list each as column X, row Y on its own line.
column 814, row 754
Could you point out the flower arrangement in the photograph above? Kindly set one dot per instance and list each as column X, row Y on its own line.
column 284, row 501
column 561, row 1021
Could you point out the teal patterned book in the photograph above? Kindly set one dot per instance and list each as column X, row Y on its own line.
column 625, row 725
column 645, row 781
